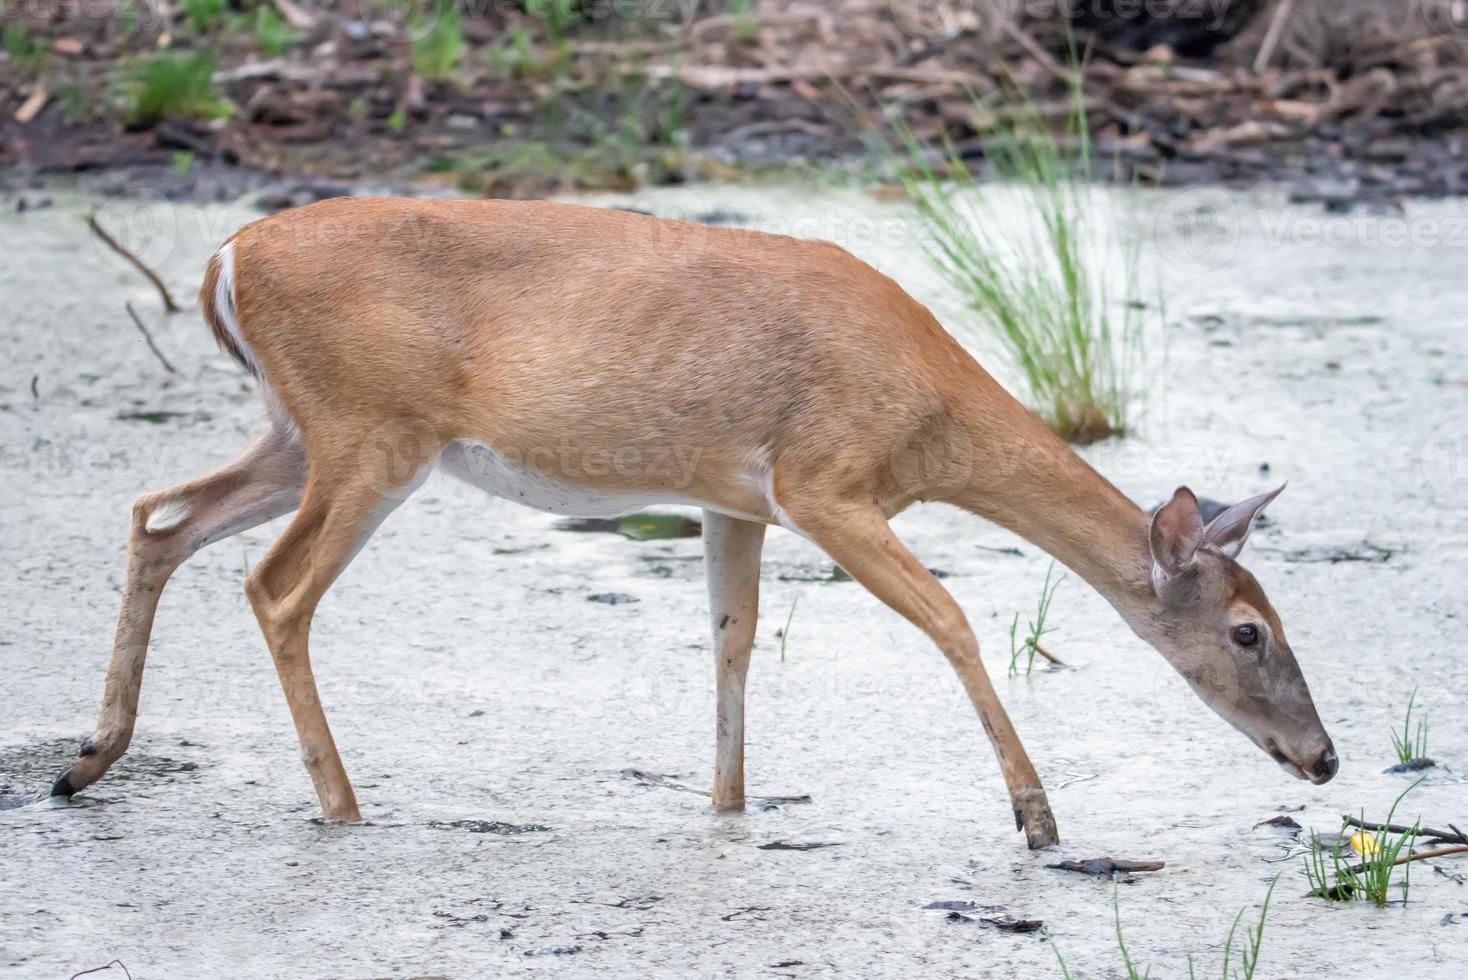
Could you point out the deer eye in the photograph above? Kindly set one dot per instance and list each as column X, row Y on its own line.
column 1246, row 635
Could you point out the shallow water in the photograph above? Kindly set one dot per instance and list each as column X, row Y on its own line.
column 523, row 756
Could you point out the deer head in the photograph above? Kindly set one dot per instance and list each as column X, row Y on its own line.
column 1210, row 619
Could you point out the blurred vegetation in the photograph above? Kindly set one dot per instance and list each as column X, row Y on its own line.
column 24, row 50
column 1038, row 279
column 171, row 85
column 600, row 94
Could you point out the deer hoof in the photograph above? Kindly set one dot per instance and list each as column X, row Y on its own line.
column 62, row 786
column 1032, row 815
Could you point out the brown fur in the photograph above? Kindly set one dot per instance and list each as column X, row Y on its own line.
column 806, row 388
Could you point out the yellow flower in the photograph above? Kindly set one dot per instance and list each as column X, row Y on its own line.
column 1365, row 844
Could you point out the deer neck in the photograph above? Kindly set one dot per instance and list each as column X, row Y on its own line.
column 1037, row 487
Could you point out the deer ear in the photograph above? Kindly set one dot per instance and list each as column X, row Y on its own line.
column 1177, row 530
column 1228, row 531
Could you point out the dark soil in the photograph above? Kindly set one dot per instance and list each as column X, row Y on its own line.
column 527, row 106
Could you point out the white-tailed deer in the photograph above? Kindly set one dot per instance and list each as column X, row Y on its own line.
column 587, row 361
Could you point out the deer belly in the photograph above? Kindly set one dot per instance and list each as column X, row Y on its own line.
column 515, row 480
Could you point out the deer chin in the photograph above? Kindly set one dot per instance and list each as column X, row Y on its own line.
column 1285, row 763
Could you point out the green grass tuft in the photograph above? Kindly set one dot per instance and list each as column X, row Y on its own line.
column 272, row 34
column 169, row 86
column 1248, row 954
column 1407, row 745
column 24, row 50
column 438, row 50
column 203, row 15
column 1253, row 942
column 785, row 633
column 1037, row 627
column 1369, row 879
column 1038, row 284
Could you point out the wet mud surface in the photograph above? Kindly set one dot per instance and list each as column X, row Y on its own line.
column 489, row 715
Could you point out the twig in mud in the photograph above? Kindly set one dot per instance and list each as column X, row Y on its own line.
column 785, row 633
column 104, row 966
column 295, row 16
column 1048, row 655
column 1037, row 629
column 112, row 243
column 1272, row 36
column 1041, row 56
column 1455, row 836
column 1419, row 856
column 137, row 321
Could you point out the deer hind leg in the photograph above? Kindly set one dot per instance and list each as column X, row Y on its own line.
column 168, row 527
column 732, row 558
column 343, row 507
column 859, row 539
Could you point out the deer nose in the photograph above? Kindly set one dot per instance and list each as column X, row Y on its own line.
column 1325, row 767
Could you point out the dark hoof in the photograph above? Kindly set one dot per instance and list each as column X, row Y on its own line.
column 1032, row 815
column 63, row 787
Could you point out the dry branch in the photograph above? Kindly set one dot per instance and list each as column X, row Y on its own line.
column 1048, row 655
column 149, row 338
column 112, row 243
column 1419, row 856
column 1454, row 836
column 104, row 966
column 1271, row 39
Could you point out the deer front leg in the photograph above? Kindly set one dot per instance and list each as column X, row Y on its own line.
column 167, row 528
column 859, row 539
column 341, row 511
column 732, row 559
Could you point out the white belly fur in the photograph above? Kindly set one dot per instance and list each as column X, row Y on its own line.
column 483, row 467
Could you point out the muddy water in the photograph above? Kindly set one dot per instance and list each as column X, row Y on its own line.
column 489, row 713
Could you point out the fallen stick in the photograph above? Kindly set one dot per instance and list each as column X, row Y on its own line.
column 1455, row 836
column 1041, row 56
column 32, row 106
column 112, row 243
column 138, row 322
column 1272, row 36
column 1047, row 655
column 1419, row 856
column 295, row 16
column 105, row 966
